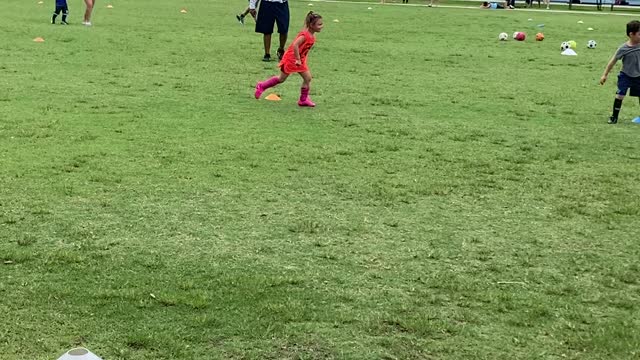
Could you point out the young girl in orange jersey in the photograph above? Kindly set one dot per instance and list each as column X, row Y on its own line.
column 295, row 60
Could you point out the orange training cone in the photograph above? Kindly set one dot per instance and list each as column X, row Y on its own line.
column 273, row 97
column 38, row 39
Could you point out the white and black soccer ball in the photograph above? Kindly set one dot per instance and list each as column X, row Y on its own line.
column 591, row 44
column 565, row 45
column 503, row 36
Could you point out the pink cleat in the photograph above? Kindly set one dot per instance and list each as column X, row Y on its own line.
column 304, row 98
column 306, row 103
column 259, row 90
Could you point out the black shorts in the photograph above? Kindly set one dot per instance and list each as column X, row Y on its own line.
column 270, row 13
column 626, row 82
column 62, row 9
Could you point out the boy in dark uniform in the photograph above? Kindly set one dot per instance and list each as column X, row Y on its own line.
column 629, row 77
column 61, row 7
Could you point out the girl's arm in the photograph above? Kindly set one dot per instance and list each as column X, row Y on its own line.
column 296, row 48
column 607, row 69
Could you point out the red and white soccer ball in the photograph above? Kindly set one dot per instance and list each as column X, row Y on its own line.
column 520, row 36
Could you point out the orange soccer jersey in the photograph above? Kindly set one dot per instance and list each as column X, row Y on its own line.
column 288, row 62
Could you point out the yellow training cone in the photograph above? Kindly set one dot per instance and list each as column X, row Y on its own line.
column 38, row 39
column 109, row 6
column 273, row 97
column 336, row 20
column 184, row 11
column 40, row 2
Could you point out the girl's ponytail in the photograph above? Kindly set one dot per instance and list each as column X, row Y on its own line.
column 311, row 18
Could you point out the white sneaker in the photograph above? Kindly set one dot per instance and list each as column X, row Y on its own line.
column 86, row 23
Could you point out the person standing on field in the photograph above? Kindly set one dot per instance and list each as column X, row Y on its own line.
column 271, row 12
column 295, row 60
column 87, row 12
column 61, row 7
column 629, row 76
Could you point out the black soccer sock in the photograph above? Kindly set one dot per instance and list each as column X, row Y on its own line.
column 64, row 16
column 617, row 104
column 53, row 19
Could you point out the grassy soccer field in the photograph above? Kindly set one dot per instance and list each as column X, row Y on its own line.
column 450, row 197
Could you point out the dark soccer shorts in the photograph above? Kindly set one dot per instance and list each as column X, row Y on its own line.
column 626, row 82
column 270, row 13
column 62, row 9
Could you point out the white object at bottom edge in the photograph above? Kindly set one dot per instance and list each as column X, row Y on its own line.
column 79, row 354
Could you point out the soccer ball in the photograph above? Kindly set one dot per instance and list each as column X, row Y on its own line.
column 539, row 36
column 503, row 36
column 564, row 46
column 591, row 44
column 520, row 36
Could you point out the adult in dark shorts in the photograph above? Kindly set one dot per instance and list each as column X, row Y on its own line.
column 270, row 12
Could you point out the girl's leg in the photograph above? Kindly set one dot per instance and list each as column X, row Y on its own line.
column 304, row 90
column 546, row 2
column 87, row 12
column 269, row 83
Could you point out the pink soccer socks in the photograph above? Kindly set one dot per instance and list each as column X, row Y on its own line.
column 262, row 86
column 304, row 98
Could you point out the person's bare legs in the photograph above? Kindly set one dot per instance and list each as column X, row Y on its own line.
column 240, row 17
column 253, row 14
column 283, row 43
column 88, row 11
column 269, row 83
column 267, row 47
column 304, row 90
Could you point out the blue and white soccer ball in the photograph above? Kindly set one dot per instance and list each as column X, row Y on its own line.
column 591, row 44
column 565, row 45
column 503, row 36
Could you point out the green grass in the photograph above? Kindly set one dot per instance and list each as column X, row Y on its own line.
column 451, row 197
